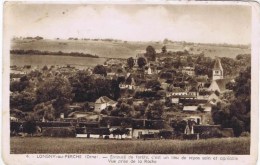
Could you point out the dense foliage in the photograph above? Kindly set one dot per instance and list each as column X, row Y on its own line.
column 236, row 113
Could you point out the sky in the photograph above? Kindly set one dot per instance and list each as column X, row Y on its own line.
column 190, row 23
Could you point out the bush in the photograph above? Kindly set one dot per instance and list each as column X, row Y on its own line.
column 59, row 132
column 245, row 134
column 213, row 133
column 190, row 136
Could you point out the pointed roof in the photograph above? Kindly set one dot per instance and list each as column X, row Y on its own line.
column 222, row 83
column 217, row 65
column 193, row 89
column 104, row 99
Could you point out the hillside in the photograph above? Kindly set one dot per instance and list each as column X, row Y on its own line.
column 121, row 49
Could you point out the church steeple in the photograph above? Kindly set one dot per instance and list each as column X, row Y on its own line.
column 217, row 70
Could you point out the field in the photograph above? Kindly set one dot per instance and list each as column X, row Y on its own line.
column 33, row 145
column 42, row 60
column 120, row 49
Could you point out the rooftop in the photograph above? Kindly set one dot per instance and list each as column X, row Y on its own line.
column 217, row 65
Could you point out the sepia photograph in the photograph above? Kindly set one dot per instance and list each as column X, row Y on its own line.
column 125, row 78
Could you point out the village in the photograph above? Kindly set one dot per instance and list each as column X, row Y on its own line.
column 153, row 95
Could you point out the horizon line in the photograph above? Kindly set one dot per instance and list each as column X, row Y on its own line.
column 115, row 39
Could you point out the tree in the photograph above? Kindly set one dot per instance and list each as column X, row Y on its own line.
column 230, row 85
column 141, row 62
column 150, row 53
column 189, row 61
column 29, row 127
column 88, row 88
column 164, row 50
column 122, row 130
column 179, row 127
column 155, row 110
column 130, row 62
column 237, row 125
column 20, row 85
column 241, row 106
column 100, row 69
column 177, row 64
column 154, row 84
column 24, row 101
column 165, row 41
column 57, row 90
column 125, row 110
column 115, row 90
column 237, row 114
column 45, row 68
column 45, row 110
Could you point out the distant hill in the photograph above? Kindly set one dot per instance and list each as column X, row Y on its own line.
column 124, row 49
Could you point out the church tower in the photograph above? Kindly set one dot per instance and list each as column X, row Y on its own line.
column 217, row 70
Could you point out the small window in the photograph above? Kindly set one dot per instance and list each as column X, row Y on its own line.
column 216, row 71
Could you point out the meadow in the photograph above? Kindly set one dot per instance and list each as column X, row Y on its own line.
column 34, row 145
column 120, row 49
column 42, row 60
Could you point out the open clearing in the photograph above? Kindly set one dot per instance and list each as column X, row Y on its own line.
column 33, row 145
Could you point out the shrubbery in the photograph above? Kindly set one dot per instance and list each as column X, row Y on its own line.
column 59, row 132
column 213, row 133
column 245, row 134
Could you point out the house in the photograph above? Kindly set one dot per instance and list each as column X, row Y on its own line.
column 176, row 99
column 158, row 69
column 12, row 118
column 192, row 108
column 114, row 123
column 149, row 70
column 202, row 82
column 112, row 75
column 137, row 133
column 129, row 83
column 89, row 116
column 145, row 126
column 138, row 101
column 94, row 133
column 193, row 91
column 103, row 102
column 16, row 77
column 75, row 107
column 176, row 91
column 188, row 70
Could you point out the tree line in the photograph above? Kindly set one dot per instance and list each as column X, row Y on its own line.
column 38, row 52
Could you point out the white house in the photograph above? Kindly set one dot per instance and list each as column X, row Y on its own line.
column 137, row 133
column 191, row 108
column 189, row 70
column 177, row 91
column 103, row 102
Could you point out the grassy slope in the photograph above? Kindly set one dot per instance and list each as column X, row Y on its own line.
column 239, row 146
column 118, row 49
